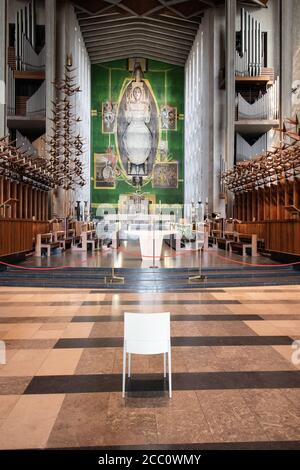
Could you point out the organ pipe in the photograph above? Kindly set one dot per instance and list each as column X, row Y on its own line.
column 266, row 107
column 11, row 93
column 249, row 59
column 36, row 104
column 31, row 60
column 246, row 151
column 25, row 28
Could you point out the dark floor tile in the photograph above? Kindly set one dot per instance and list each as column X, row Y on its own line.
column 161, row 302
column 202, row 446
column 88, row 343
column 179, row 341
column 181, row 381
column 97, row 318
column 174, row 317
column 42, row 319
column 231, row 340
column 27, row 304
column 182, row 291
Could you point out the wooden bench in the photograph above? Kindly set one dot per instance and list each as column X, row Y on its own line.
column 94, row 243
column 243, row 243
column 85, row 240
column 45, row 241
column 64, row 241
column 224, row 243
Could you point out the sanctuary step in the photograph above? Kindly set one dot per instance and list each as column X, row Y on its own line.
column 162, row 279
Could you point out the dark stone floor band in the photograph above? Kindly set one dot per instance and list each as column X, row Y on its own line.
column 152, row 383
column 65, row 343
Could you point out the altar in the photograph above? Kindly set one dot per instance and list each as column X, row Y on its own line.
column 151, row 242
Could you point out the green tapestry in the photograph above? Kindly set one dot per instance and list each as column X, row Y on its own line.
column 137, row 108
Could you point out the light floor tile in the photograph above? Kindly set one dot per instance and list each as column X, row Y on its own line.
column 29, row 424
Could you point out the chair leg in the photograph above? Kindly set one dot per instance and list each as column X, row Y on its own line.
column 129, row 365
column 170, row 373
column 165, row 369
column 124, row 373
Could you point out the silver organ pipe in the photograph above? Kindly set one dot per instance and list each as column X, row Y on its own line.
column 32, row 18
column 242, row 33
column 265, row 107
column 11, row 93
column 249, row 58
column 246, row 151
column 259, row 49
column 251, row 29
column 25, row 28
column 256, row 48
column 36, row 104
column 16, row 40
column 21, row 32
column 32, row 60
column 246, row 32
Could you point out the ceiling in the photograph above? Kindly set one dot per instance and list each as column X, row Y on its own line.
column 156, row 29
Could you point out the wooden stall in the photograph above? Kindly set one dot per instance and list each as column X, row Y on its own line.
column 17, row 236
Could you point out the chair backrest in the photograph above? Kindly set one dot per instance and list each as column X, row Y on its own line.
column 146, row 333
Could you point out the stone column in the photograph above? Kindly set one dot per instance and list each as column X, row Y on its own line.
column 59, row 57
column 3, row 56
column 230, row 89
column 50, row 41
column 287, row 40
column 210, row 112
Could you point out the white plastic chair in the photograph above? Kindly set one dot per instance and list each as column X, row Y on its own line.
column 147, row 333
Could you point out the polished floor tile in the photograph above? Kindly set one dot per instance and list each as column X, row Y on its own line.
column 96, row 361
column 30, row 422
column 229, row 417
column 81, row 421
column 60, row 362
column 277, row 414
column 25, row 362
column 235, row 370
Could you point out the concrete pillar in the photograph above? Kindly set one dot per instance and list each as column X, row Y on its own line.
column 287, row 41
column 296, row 57
column 3, row 55
column 210, row 115
column 230, row 89
column 59, row 195
column 50, row 40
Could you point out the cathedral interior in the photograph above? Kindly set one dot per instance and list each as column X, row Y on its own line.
column 149, row 163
